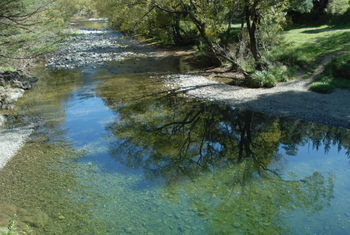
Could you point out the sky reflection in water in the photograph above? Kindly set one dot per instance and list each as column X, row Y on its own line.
column 173, row 165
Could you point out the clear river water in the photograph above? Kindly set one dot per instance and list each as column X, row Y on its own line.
column 115, row 153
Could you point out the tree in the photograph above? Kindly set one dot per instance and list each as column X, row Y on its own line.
column 337, row 7
column 301, row 6
column 260, row 13
column 28, row 28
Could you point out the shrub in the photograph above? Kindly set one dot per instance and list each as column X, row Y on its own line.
column 261, row 79
column 339, row 67
column 281, row 73
column 322, row 87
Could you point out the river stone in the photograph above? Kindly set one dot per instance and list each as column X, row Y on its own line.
column 7, row 210
column 8, row 75
column 14, row 94
column 6, row 214
column 33, row 79
column 2, row 81
column 16, row 84
column 128, row 230
column 2, row 117
column 9, row 97
column 33, row 217
column 21, row 84
column 25, row 217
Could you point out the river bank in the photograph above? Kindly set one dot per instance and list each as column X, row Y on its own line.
column 289, row 99
column 93, row 48
column 12, row 87
column 86, row 47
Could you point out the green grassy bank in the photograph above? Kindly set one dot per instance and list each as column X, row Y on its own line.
column 321, row 52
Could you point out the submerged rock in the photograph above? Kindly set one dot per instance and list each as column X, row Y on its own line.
column 33, row 217
column 21, row 217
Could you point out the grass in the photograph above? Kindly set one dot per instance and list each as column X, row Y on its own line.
column 305, row 47
column 308, row 44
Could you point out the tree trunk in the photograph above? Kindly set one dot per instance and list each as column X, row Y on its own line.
column 201, row 28
column 252, row 19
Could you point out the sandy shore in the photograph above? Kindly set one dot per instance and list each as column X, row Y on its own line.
column 289, row 99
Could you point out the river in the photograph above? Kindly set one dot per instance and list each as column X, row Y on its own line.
column 116, row 153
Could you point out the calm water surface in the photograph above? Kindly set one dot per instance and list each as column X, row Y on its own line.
column 115, row 154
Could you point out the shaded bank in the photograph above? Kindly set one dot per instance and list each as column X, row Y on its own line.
column 289, row 99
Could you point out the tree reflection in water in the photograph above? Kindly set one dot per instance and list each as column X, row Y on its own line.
column 225, row 160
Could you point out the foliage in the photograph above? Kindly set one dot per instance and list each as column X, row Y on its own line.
column 318, row 12
column 339, row 67
column 329, row 83
column 28, row 28
column 335, row 75
column 261, row 79
column 77, row 8
column 11, row 228
column 322, row 87
column 337, row 7
column 301, row 5
column 207, row 24
column 268, row 78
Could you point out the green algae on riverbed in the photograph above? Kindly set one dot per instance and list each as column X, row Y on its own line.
column 41, row 177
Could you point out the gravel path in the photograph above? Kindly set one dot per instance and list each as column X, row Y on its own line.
column 289, row 99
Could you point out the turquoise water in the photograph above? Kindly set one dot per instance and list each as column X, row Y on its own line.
column 145, row 161
column 170, row 165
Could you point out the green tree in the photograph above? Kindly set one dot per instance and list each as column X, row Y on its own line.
column 301, row 6
column 266, row 16
column 337, row 7
column 208, row 23
column 28, row 28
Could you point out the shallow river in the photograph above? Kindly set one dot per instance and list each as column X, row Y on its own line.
column 115, row 153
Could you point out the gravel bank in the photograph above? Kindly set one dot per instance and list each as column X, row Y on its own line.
column 95, row 47
column 290, row 99
column 12, row 140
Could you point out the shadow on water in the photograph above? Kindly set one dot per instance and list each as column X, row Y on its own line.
column 117, row 154
column 228, row 162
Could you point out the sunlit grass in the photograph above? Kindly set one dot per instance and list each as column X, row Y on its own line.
column 306, row 47
column 303, row 46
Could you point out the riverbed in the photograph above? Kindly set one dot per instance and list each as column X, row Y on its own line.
column 118, row 152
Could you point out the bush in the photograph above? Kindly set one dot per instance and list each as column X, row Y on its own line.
column 322, row 87
column 261, row 79
column 281, row 73
column 269, row 77
column 339, row 67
